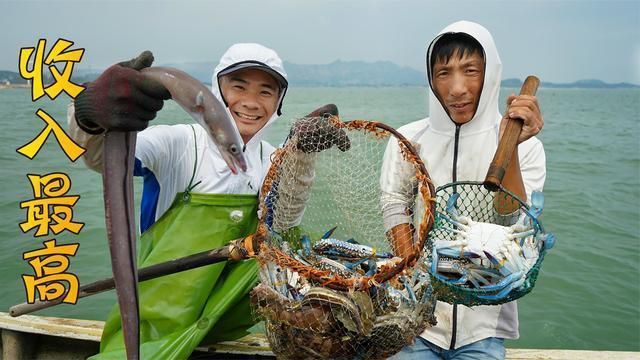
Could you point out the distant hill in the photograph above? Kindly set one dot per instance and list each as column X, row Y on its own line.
column 359, row 73
column 338, row 73
column 580, row 84
column 354, row 73
column 12, row 77
column 78, row 77
column 199, row 70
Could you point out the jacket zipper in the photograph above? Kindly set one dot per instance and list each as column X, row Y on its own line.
column 454, row 176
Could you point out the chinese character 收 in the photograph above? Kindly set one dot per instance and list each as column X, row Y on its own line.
column 50, row 209
column 50, row 264
column 62, row 81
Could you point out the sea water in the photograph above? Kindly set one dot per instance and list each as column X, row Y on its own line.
column 586, row 297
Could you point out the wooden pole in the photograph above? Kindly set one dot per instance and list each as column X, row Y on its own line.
column 508, row 142
column 235, row 250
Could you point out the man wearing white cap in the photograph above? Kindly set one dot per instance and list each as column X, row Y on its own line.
column 191, row 201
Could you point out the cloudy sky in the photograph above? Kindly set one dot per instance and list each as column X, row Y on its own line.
column 560, row 41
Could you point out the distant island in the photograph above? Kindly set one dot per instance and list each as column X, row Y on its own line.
column 580, row 84
column 336, row 74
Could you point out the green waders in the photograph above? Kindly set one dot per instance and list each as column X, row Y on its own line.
column 177, row 311
column 212, row 302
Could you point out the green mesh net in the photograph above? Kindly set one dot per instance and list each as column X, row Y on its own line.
column 482, row 256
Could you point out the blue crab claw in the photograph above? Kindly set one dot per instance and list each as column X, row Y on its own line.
column 463, row 279
column 442, row 278
column 537, row 203
column 498, row 264
column 407, row 285
column 549, row 240
column 504, row 283
column 434, row 262
column 329, row 233
column 451, row 205
column 384, row 255
column 306, row 245
column 427, row 294
column 355, row 264
column 352, row 241
column 480, row 278
column 473, row 281
column 373, row 267
column 460, row 281
column 504, row 292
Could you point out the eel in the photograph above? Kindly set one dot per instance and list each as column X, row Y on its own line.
column 119, row 161
column 117, row 180
column 206, row 109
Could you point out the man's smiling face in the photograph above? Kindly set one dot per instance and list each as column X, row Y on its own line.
column 252, row 97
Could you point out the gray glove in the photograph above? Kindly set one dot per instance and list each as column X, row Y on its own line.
column 121, row 98
column 315, row 133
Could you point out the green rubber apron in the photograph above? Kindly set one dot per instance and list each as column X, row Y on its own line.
column 211, row 303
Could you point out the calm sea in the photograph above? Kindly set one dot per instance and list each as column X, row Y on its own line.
column 588, row 295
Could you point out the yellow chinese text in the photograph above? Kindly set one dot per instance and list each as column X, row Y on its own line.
column 50, row 265
column 62, row 81
column 70, row 148
column 50, row 209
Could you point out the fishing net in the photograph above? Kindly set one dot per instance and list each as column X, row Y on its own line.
column 480, row 255
column 331, row 283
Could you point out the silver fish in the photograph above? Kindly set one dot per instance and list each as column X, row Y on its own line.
column 206, row 109
column 345, row 249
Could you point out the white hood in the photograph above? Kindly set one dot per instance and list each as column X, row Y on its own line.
column 487, row 113
column 256, row 151
column 477, row 142
column 246, row 55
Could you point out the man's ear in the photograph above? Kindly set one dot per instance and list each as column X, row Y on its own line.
column 222, row 79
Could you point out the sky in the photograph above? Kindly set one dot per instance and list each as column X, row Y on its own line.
column 560, row 41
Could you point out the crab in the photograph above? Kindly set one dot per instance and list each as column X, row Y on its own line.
column 347, row 257
column 486, row 256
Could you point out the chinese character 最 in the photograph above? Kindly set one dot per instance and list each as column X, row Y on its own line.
column 50, row 209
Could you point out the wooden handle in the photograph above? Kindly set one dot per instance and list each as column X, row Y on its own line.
column 508, row 142
column 225, row 253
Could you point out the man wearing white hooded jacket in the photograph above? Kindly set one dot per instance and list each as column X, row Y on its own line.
column 457, row 143
column 191, row 201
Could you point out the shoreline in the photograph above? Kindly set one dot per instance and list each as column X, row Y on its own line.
column 15, row 86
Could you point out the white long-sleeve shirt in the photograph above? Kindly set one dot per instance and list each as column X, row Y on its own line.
column 436, row 137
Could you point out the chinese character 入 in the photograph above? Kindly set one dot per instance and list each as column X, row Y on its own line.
column 70, row 148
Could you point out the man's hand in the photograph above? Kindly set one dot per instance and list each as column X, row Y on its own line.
column 401, row 238
column 316, row 133
column 121, row 98
column 526, row 108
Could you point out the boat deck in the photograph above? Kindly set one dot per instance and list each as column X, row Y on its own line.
column 39, row 337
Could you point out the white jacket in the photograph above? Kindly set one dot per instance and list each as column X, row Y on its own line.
column 477, row 143
column 165, row 155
